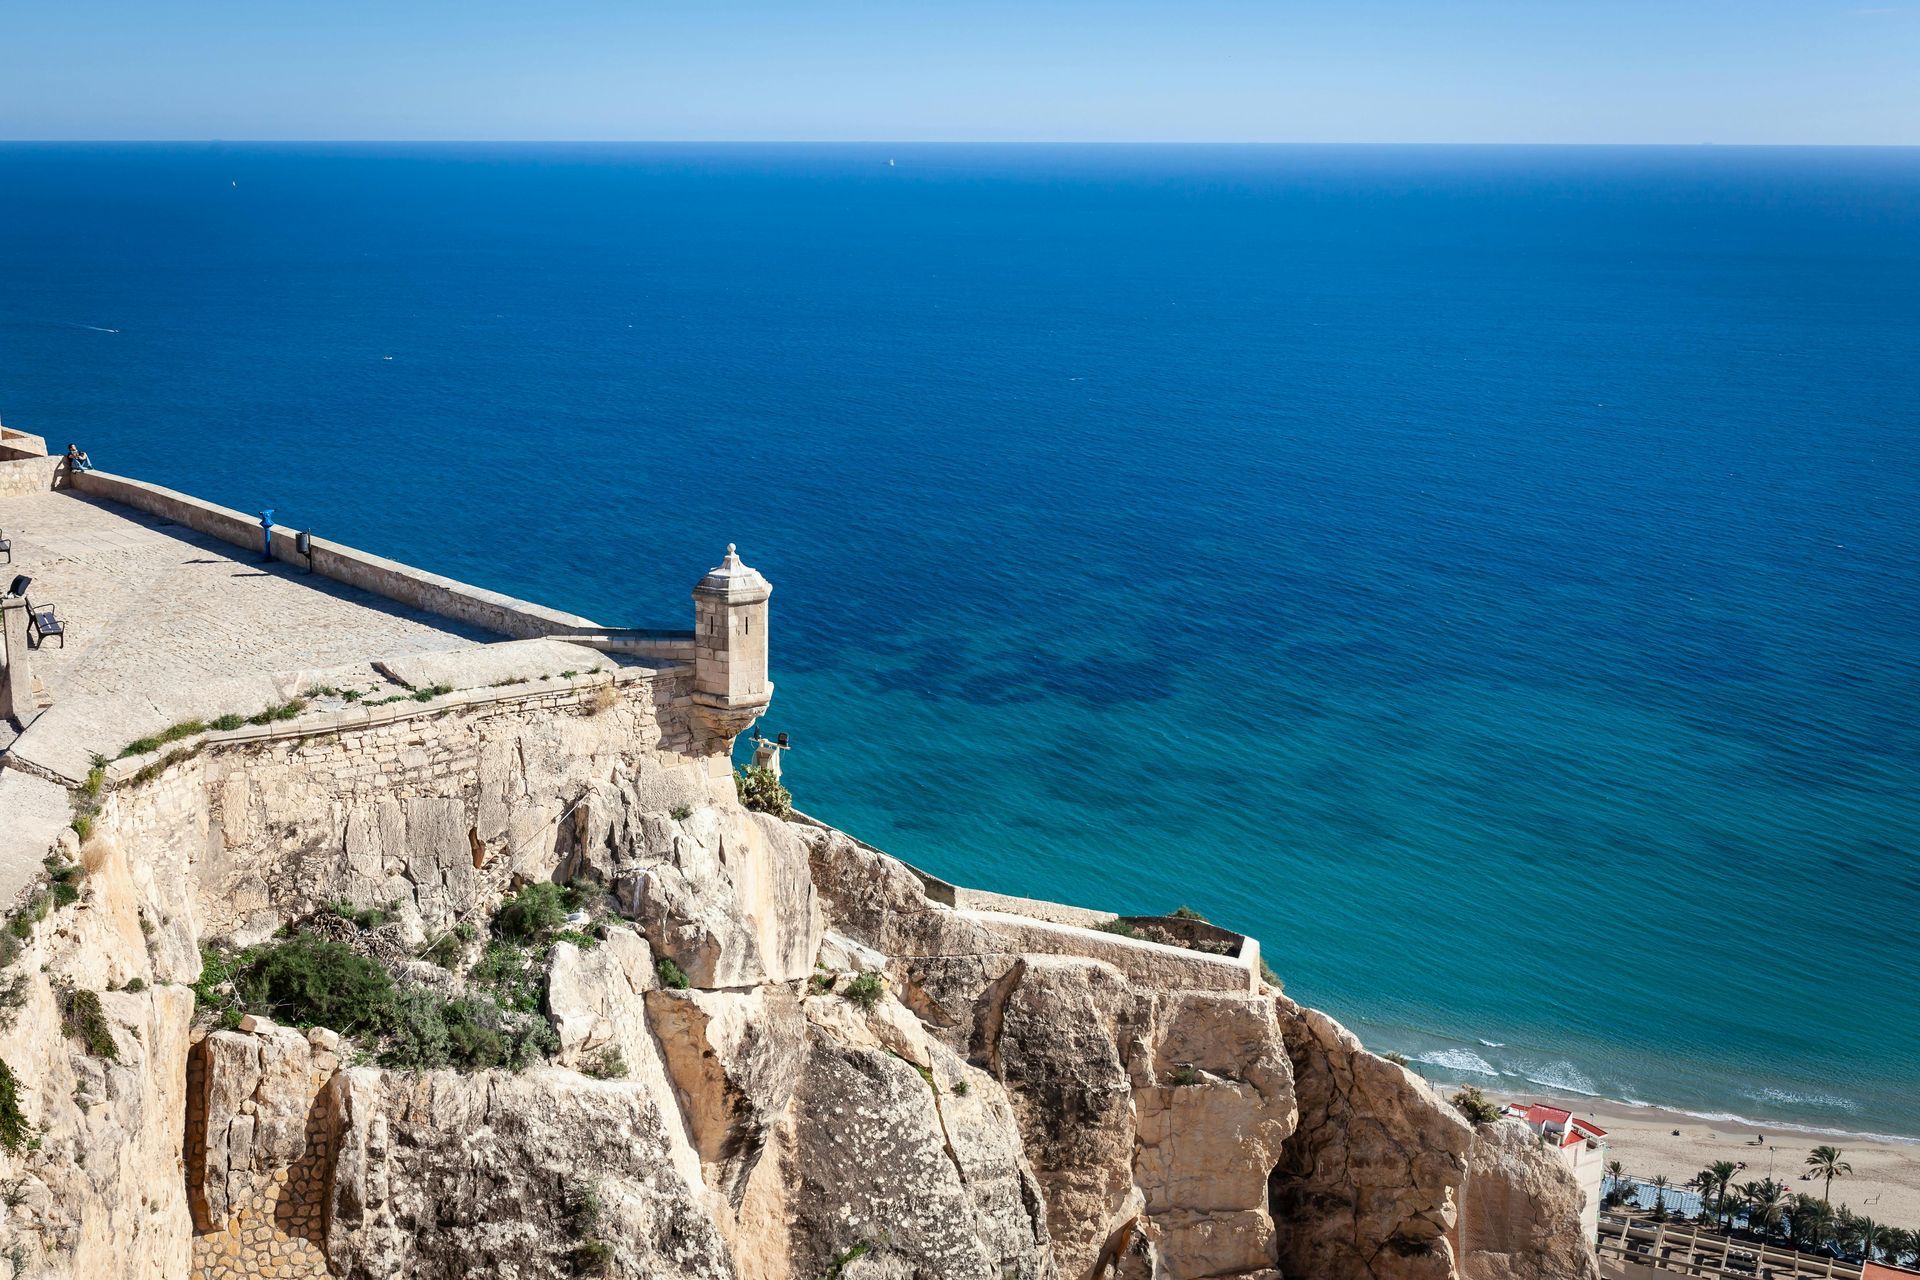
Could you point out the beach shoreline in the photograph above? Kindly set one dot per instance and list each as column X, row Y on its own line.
column 1647, row 1140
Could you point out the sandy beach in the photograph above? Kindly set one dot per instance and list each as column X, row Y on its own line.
column 1886, row 1175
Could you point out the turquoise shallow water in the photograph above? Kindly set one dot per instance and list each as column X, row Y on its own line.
column 1488, row 575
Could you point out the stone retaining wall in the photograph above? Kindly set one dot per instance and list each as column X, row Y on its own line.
column 435, row 809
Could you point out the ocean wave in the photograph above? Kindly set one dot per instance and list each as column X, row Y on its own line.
column 1459, row 1060
column 1493, row 1044
column 1731, row 1120
column 1563, row 1076
column 1788, row 1099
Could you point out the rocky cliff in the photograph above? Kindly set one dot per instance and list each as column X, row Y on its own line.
column 749, row 1048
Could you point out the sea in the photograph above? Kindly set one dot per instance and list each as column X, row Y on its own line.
column 1490, row 575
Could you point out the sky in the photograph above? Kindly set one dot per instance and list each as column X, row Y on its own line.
column 1603, row 71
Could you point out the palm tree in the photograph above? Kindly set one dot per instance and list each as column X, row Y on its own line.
column 1868, row 1233
column 1826, row 1163
column 1898, row 1244
column 1660, row 1185
column 1812, row 1221
column 1723, row 1171
column 1703, row 1182
column 1767, row 1203
column 1617, row 1175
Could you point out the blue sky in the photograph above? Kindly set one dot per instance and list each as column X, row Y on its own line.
column 1726, row 71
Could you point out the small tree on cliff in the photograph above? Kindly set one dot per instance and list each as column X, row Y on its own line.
column 761, row 791
column 1474, row 1106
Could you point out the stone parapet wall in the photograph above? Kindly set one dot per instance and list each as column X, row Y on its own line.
column 416, row 588
column 30, row 474
column 21, row 444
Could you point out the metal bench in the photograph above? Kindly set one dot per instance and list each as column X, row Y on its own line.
column 42, row 622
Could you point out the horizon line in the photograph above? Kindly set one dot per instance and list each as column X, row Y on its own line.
column 929, row 142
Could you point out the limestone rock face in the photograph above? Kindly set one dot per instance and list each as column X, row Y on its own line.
column 1053, row 1036
column 724, row 893
column 1365, row 1189
column 734, row 1058
column 1213, row 1095
column 888, row 1157
column 1520, row 1211
column 596, row 999
column 99, row 1189
column 442, row 1177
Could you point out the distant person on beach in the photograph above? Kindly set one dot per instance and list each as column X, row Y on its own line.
column 77, row 459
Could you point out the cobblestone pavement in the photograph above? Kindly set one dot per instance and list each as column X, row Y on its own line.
column 165, row 624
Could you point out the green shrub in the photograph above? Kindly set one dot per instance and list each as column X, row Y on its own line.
column 229, row 722
column 63, row 879
column 584, row 941
column 1397, row 1059
column 445, row 950
column 172, row 733
column 608, row 1064
column 865, row 990
column 1119, row 926
column 759, row 790
column 213, row 990
column 419, row 1040
column 431, row 692
column 535, row 910
column 670, row 974
column 310, row 981
column 14, row 1129
column 1268, row 976
column 282, row 711
column 1184, row 912
column 13, row 995
column 83, row 826
column 962, row 1087
column 135, row 984
column 82, row 1019
column 361, row 917
column 32, row 913
column 509, row 974
column 681, row 812
column 592, row 1256
column 96, row 780
column 1474, row 1105
column 1184, row 1075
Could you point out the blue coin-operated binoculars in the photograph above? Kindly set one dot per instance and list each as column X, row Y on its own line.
column 266, row 533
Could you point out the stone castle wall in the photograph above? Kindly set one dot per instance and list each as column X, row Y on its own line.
column 433, row 812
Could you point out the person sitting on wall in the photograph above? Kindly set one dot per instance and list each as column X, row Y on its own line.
column 77, row 459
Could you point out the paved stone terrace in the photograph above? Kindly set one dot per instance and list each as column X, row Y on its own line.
column 164, row 624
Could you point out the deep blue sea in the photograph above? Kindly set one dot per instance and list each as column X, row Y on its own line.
column 1490, row 575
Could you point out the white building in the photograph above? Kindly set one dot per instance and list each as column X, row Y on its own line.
column 1582, row 1146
